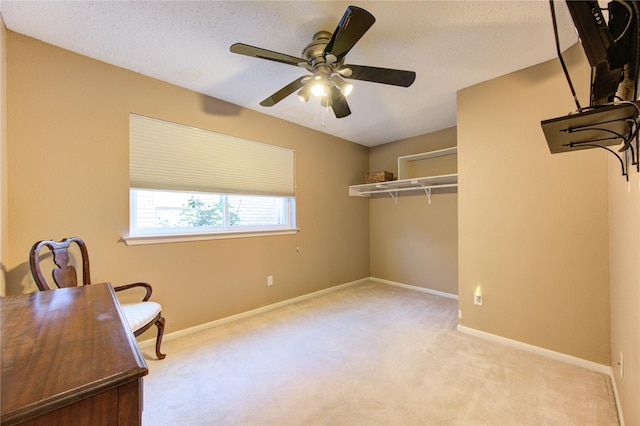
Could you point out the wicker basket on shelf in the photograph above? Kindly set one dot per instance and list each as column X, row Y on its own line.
column 374, row 177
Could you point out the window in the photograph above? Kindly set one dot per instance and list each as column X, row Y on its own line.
column 188, row 183
column 176, row 212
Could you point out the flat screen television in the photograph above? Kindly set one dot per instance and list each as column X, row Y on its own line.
column 610, row 42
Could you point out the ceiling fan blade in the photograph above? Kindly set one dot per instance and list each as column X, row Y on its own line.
column 257, row 52
column 283, row 93
column 354, row 23
column 381, row 75
column 339, row 103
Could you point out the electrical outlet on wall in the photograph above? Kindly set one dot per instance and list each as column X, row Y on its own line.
column 270, row 280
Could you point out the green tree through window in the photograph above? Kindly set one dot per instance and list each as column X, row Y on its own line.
column 198, row 213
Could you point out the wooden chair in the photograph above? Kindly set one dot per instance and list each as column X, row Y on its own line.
column 140, row 316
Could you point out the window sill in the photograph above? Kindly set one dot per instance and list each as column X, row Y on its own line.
column 136, row 240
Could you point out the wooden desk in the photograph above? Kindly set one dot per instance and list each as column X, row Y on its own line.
column 69, row 357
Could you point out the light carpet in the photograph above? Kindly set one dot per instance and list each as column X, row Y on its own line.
column 368, row 354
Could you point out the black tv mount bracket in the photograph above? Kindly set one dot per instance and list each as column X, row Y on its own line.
column 603, row 126
column 600, row 126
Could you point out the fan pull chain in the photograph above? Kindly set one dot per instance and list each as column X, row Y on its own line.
column 323, row 124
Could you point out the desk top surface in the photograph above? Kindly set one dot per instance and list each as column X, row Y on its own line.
column 61, row 346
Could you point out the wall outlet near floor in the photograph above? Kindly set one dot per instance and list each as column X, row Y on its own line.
column 477, row 297
column 270, row 280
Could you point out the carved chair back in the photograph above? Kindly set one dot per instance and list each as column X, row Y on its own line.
column 63, row 274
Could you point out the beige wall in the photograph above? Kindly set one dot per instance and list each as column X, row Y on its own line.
column 624, row 258
column 533, row 227
column 68, row 176
column 3, row 154
column 414, row 242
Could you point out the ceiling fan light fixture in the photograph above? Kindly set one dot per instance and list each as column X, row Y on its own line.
column 345, row 87
column 318, row 86
column 318, row 89
column 305, row 93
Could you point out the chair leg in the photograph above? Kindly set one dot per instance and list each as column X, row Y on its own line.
column 160, row 324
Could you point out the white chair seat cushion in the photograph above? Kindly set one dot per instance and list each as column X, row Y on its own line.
column 140, row 314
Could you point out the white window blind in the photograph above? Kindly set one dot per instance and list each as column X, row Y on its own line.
column 170, row 156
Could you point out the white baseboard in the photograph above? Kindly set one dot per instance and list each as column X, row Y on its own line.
column 185, row 332
column 416, row 288
column 617, row 397
column 589, row 365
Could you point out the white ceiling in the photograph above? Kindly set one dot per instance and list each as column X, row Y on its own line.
column 449, row 44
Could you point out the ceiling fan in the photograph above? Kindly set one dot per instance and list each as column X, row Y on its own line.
column 324, row 58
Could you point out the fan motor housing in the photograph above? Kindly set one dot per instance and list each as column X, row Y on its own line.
column 313, row 51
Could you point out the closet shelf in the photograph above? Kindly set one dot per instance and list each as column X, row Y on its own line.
column 412, row 184
column 407, row 183
column 404, row 162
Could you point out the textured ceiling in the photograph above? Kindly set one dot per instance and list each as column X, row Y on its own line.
column 449, row 44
